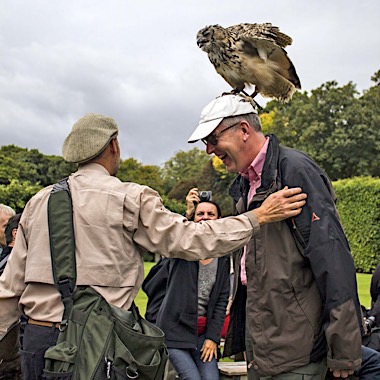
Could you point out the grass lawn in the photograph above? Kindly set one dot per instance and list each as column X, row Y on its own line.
column 141, row 298
column 363, row 280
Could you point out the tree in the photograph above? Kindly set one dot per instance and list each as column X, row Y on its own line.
column 132, row 171
column 213, row 177
column 17, row 193
column 184, row 166
column 31, row 166
column 336, row 127
column 58, row 168
column 376, row 78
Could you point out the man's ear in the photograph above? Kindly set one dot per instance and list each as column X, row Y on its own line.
column 246, row 129
column 14, row 233
column 114, row 145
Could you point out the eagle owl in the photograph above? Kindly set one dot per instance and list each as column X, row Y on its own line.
column 251, row 54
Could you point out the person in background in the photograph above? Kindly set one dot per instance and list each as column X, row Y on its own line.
column 296, row 310
column 10, row 237
column 375, row 296
column 11, row 369
column 192, row 299
column 5, row 213
column 371, row 338
column 115, row 224
column 192, row 199
column 370, row 367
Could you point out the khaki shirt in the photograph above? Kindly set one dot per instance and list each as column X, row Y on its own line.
column 114, row 223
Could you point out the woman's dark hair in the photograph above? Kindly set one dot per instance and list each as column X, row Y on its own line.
column 219, row 211
column 11, row 225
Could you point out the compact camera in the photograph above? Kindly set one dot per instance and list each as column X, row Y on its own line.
column 370, row 323
column 205, row 195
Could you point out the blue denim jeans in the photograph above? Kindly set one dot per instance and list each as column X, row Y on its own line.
column 189, row 366
column 37, row 339
column 370, row 368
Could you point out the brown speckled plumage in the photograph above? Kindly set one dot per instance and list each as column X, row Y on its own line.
column 251, row 54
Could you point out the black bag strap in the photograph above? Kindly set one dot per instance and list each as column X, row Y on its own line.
column 62, row 244
column 3, row 262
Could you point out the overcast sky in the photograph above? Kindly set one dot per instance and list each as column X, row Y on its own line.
column 138, row 62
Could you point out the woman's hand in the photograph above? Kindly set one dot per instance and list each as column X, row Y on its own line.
column 191, row 198
column 209, row 350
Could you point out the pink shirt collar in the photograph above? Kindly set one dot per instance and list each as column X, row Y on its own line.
column 253, row 172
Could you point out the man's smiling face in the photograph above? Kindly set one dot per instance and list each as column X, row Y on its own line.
column 231, row 147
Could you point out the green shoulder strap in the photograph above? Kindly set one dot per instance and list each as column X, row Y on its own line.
column 62, row 244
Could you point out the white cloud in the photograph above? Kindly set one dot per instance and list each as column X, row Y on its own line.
column 138, row 62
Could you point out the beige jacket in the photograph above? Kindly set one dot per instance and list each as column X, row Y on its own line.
column 114, row 224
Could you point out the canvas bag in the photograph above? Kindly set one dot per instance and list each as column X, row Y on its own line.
column 96, row 340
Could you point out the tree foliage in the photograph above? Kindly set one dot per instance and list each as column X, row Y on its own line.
column 31, row 166
column 337, row 128
column 183, row 166
column 23, row 172
column 132, row 171
column 183, row 172
column 17, row 193
column 359, row 210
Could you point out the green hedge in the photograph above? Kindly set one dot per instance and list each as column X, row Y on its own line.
column 359, row 210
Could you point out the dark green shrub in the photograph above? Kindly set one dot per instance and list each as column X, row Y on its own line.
column 359, row 210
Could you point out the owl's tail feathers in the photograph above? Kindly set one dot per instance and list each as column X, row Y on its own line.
column 292, row 76
column 280, row 88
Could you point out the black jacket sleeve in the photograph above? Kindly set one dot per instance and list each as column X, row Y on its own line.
column 375, row 295
column 218, row 301
column 327, row 251
column 154, row 286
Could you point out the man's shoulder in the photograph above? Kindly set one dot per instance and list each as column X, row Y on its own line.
column 42, row 194
column 136, row 188
column 294, row 159
column 291, row 153
column 98, row 180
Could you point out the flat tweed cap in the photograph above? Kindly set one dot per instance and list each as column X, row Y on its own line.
column 89, row 137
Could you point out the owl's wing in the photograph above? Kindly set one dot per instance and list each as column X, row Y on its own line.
column 256, row 32
column 267, row 42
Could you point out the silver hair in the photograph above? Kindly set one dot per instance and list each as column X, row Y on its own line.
column 4, row 209
column 252, row 119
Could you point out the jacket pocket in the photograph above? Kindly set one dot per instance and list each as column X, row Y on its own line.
column 182, row 328
column 308, row 299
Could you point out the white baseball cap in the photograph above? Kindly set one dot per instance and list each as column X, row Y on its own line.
column 221, row 107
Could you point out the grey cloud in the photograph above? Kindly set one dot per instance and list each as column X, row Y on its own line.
column 138, row 62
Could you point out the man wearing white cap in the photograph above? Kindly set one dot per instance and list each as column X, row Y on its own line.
column 296, row 311
column 115, row 223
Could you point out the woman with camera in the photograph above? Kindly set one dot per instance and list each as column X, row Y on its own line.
column 192, row 308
